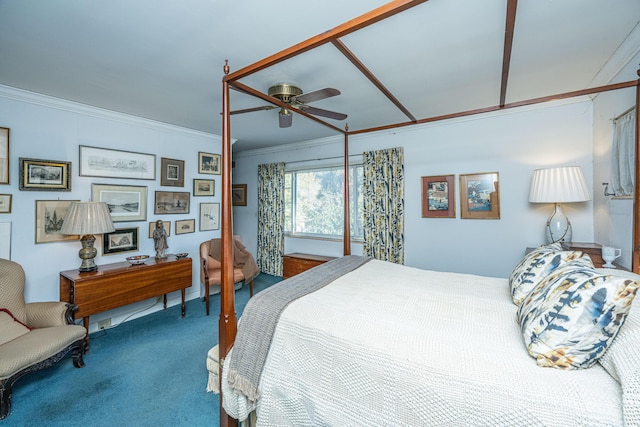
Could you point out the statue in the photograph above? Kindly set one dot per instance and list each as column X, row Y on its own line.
column 160, row 240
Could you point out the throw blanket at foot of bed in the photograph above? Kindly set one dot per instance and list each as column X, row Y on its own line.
column 261, row 315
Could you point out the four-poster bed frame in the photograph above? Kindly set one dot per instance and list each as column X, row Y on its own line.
column 228, row 320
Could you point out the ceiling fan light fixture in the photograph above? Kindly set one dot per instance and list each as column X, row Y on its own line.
column 285, row 92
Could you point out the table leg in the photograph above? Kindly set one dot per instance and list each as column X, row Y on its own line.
column 164, row 300
column 184, row 308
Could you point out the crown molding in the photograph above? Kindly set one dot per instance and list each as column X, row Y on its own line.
column 620, row 58
column 22, row 95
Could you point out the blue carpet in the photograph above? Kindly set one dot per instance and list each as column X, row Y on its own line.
column 150, row 371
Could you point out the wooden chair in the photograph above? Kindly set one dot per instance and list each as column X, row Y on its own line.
column 211, row 272
column 33, row 335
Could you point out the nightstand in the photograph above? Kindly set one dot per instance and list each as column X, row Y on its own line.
column 594, row 250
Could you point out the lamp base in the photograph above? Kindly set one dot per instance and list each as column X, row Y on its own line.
column 87, row 253
column 558, row 226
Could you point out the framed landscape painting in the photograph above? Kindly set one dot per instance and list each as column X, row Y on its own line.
column 44, row 175
column 121, row 240
column 4, row 155
column 108, row 163
column 438, row 197
column 479, row 196
column 204, row 187
column 171, row 202
column 185, row 226
column 209, row 163
column 125, row 202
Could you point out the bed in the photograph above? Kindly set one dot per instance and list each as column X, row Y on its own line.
column 390, row 345
column 473, row 369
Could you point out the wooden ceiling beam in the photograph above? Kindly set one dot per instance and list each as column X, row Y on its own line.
column 532, row 101
column 512, row 6
column 372, row 78
column 392, row 8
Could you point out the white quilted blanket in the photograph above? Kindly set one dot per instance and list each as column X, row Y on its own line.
column 389, row 345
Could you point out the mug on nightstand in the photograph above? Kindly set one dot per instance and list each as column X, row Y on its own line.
column 610, row 254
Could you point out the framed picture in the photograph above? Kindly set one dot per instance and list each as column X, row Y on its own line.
column 172, row 172
column 438, row 197
column 49, row 219
column 4, row 155
column 185, row 226
column 479, row 196
column 239, row 195
column 125, row 202
column 209, row 216
column 165, row 224
column 171, row 202
column 121, row 240
column 204, row 187
column 209, row 163
column 5, row 203
column 107, row 163
column 44, row 175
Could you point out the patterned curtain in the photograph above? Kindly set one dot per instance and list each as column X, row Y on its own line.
column 384, row 204
column 270, row 218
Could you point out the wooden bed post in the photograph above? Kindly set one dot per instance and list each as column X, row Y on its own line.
column 227, row 324
column 347, row 207
column 635, row 258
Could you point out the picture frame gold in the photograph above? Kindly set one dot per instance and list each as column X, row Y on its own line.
column 49, row 219
column 480, row 196
column 438, row 196
column 4, row 155
column 239, row 195
column 5, row 203
column 209, row 163
column 185, row 226
column 204, row 187
column 44, row 175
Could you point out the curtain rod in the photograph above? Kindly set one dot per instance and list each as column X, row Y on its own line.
column 321, row 158
column 627, row 111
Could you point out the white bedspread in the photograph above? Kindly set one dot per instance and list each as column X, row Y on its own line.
column 389, row 345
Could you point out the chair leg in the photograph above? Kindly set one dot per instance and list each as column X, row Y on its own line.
column 250, row 289
column 76, row 354
column 206, row 296
column 5, row 398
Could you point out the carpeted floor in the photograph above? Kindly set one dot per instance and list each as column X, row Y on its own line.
column 150, row 371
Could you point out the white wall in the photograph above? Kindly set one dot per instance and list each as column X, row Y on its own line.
column 613, row 217
column 52, row 129
column 512, row 143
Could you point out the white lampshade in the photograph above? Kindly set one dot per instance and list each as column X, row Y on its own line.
column 87, row 218
column 559, row 185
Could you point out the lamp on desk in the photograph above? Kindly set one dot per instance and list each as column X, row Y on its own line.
column 87, row 219
column 558, row 185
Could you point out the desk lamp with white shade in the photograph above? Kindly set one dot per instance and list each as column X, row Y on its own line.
column 558, row 185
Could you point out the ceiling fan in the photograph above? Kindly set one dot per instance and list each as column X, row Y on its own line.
column 293, row 96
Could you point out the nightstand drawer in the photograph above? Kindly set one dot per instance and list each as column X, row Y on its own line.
column 296, row 263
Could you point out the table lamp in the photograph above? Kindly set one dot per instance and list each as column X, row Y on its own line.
column 87, row 219
column 558, row 185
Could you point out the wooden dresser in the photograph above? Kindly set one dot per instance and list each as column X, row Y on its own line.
column 296, row 263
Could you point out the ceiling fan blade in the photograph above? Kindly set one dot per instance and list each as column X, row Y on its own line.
column 324, row 113
column 285, row 118
column 317, row 95
column 251, row 110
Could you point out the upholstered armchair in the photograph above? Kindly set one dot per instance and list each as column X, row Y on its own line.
column 33, row 336
column 211, row 271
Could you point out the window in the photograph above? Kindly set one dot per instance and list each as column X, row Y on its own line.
column 314, row 202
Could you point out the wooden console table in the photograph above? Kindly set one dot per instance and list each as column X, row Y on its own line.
column 119, row 284
column 296, row 263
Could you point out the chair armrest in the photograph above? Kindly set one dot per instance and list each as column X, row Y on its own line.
column 47, row 314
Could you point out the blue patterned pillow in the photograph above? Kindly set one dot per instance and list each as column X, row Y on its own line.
column 573, row 315
column 537, row 265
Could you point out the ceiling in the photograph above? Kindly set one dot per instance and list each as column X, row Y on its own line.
column 163, row 60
